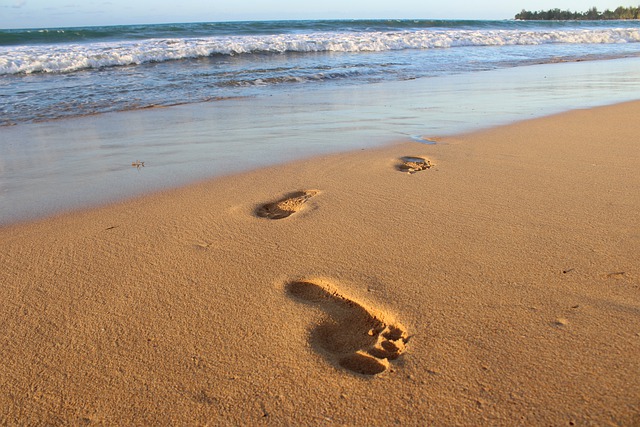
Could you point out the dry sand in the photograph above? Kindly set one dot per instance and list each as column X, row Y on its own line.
column 501, row 286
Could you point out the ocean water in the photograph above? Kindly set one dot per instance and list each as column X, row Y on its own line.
column 193, row 101
column 64, row 72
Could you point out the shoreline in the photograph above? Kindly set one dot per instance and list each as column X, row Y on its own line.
column 54, row 166
column 586, row 57
column 499, row 284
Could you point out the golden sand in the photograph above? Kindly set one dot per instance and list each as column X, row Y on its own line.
column 498, row 286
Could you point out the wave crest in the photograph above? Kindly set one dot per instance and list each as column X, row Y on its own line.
column 67, row 58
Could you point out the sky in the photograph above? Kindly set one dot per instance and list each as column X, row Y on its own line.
column 69, row 13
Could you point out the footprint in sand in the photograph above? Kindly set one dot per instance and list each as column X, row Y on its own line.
column 353, row 336
column 411, row 164
column 286, row 206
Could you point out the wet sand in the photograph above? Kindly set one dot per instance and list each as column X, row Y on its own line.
column 497, row 285
column 62, row 165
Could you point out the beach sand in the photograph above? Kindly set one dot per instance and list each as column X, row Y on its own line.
column 500, row 286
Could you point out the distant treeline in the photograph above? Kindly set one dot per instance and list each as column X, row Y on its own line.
column 592, row 14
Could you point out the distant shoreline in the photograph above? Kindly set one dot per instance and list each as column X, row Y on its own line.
column 593, row 14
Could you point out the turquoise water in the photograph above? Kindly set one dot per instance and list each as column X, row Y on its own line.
column 27, row 36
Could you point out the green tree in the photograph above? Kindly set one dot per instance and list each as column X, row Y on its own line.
column 591, row 14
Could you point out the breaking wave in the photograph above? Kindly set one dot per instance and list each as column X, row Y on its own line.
column 70, row 57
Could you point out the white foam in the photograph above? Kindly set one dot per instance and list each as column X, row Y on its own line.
column 65, row 58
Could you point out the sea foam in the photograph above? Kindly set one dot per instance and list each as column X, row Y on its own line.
column 65, row 58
